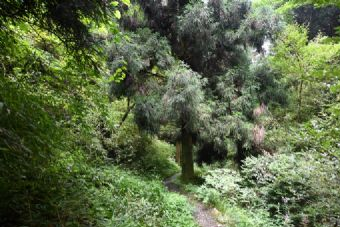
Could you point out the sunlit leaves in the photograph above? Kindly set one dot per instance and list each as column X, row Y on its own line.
column 117, row 14
column 119, row 75
column 115, row 3
column 305, row 66
column 297, row 57
column 126, row 2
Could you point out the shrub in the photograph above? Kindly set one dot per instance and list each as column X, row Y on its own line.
column 223, row 188
column 298, row 189
column 129, row 146
column 159, row 158
column 128, row 200
column 220, row 182
column 302, row 187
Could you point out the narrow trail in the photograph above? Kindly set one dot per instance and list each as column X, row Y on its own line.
column 203, row 214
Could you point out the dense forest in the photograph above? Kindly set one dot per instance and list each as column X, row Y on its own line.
column 170, row 113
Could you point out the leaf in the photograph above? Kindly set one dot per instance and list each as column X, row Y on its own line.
column 118, row 76
column 126, row 2
column 154, row 70
column 114, row 3
column 117, row 14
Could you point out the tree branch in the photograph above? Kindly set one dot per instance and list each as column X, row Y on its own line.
column 126, row 114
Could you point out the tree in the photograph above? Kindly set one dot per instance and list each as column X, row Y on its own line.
column 137, row 66
column 69, row 20
column 324, row 20
column 214, row 37
column 182, row 102
column 301, row 62
column 162, row 15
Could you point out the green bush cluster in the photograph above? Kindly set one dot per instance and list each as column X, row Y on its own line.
column 224, row 190
column 299, row 189
column 302, row 187
column 123, row 199
column 127, row 145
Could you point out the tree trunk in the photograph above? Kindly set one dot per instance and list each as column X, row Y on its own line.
column 300, row 99
column 178, row 151
column 187, row 162
column 240, row 153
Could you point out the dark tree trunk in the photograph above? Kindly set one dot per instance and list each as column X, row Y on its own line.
column 178, row 151
column 240, row 153
column 187, row 162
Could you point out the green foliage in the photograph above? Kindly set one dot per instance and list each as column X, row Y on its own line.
column 183, row 97
column 317, row 135
column 122, row 142
column 223, row 189
column 294, row 54
column 322, row 20
column 301, row 186
column 148, row 111
column 182, row 214
column 86, row 195
column 303, row 66
column 127, row 200
column 128, row 146
column 158, row 159
column 297, row 189
column 145, row 55
column 133, row 18
column 237, row 216
column 214, row 37
column 237, row 93
column 270, row 90
column 319, row 3
column 284, row 6
column 196, row 28
column 56, row 125
column 262, row 24
column 220, row 182
column 237, row 89
column 63, row 136
column 70, row 21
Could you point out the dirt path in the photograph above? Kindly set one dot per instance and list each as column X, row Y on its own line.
column 203, row 214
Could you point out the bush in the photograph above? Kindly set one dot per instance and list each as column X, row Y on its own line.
column 235, row 216
column 128, row 146
column 301, row 187
column 127, row 200
column 159, row 159
column 220, row 183
column 223, row 188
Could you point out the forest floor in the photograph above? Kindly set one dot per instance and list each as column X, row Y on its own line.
column 203, row 214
